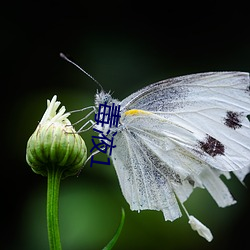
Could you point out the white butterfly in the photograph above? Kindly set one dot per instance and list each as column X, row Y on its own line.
column 178, row 134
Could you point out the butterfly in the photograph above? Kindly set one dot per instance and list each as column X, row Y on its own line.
column 179, row 134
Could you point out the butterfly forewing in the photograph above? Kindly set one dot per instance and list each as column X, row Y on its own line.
column 213, row 106
column 176, row 93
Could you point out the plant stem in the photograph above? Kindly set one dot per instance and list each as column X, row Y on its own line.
column 54, row 177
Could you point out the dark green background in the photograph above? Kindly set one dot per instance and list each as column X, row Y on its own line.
column 125, row 46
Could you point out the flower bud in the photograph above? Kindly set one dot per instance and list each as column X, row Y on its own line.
column 55, row 144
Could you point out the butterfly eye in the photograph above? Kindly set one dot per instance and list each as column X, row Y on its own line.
column 102, row 97
column 107, row 98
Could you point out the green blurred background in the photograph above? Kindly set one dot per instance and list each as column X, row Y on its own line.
column 125, row 47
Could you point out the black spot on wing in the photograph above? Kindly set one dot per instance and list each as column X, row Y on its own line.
column 248, row 89
column 233, row 119
column 190, row 181
column 212, row 146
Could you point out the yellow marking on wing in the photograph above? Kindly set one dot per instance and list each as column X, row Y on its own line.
column 137, row 112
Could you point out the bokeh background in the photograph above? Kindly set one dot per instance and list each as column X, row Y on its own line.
column 125, row 45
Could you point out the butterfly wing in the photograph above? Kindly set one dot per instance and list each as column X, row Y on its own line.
column 153, row 168
column 194, row 127
column 214, row 106
column 137, row 177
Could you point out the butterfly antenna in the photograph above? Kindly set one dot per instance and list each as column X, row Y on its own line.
column 90, row 76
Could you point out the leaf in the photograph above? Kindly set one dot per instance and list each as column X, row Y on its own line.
column 117, row 234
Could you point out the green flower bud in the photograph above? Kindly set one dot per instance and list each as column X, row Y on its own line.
column 55, row 144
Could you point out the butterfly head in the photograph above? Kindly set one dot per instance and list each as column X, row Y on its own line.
column 104, row 97
column 102, row 101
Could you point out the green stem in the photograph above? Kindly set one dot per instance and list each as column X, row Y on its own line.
column 54, row 177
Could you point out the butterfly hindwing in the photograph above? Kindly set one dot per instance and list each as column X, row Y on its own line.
column 153, row 166
column 141, row 184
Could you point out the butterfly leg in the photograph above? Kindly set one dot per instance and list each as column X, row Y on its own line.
column 82, row 128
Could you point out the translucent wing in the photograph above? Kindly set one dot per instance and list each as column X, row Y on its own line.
column 194, row 129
